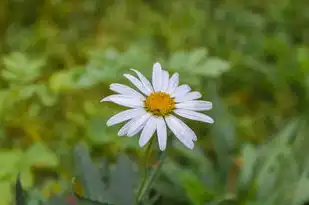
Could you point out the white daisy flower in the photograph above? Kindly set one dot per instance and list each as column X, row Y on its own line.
column 153, row 106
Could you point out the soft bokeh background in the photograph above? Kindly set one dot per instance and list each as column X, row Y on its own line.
column 250, row 58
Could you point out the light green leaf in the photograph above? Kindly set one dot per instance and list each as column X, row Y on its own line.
column 197, row 56
column 21, row 69
column 99, row 134
column 301, row 194
column 205, row 165
column 301, row 191
column 194, row 187
column 128, row 142
column 249, row 157
column 5, row 193
column 223, row 130
column 40, row 155
column 61, row 81
column 213, row 67
column 287, row 133
column 9, row 160
column 47, row 98
column 197, row 62
column 271, row 157
column 26, row 178
column 178, row 60
column 267, row 177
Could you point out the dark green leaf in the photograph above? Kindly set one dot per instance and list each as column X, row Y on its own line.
column 89, row 176
column 56, row 200
column 85, row 201
column 223, row 130
column 20, row 195
column 123, row 181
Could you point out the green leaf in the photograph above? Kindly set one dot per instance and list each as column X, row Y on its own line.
column 185, row 181
column 26, row 177
column 89, row 176
column 213, row 67
column 273, row 173
column 203, row 162
column 302, row 54
column 197, row 56
column 86, row 201
column 170, row 190
column 6, row 192
column 225, row 199
column 194, row 187
column 35, row 197
column 128, row 143
column 47, row 98
column 20, row 197
column 301, row 194
column 287, row 133
column 122, row 182
column 56, row 200
column 301, row 191
column 128, row 58
column 40, row 155
column 223, row 130
column 61, row 81
column 267, row 177
column 18, row 68
column 9, row 160
column 178, row 61
column 198, row 63
column 99, row 134
column 249, row 157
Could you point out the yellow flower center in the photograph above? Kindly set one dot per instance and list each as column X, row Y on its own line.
column 160, row 103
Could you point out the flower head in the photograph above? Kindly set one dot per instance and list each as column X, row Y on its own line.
column 154, row 105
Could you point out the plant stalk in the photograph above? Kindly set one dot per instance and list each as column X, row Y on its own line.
column 148, row 183
column 147, row 155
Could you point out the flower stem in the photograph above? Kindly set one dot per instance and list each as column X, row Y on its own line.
column 147, row 154
column 149, row 181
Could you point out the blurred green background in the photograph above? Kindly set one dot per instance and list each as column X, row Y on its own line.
column 250, row 58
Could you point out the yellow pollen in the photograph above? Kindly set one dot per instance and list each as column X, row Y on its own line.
column 159, row 103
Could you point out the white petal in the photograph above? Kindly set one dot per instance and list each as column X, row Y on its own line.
column 165, row 81
column 138, row 124
column 157, row 77
column 188, row 97
column 162, row 133
column 197, row 105
column 137, row 83
column 124, row 100
column 125, row 90
column 173, row 83
column 148, row 131
column 124, row 116
column 181, row 91
column 192, row 115
column 124, row 130
column 187, row 129
column 144, row 81
column 182, row 134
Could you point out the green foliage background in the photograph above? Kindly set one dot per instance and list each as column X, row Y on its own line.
column 250, row 58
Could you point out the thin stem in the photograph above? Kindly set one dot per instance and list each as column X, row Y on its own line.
column 146, row 187
column 147, row 154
